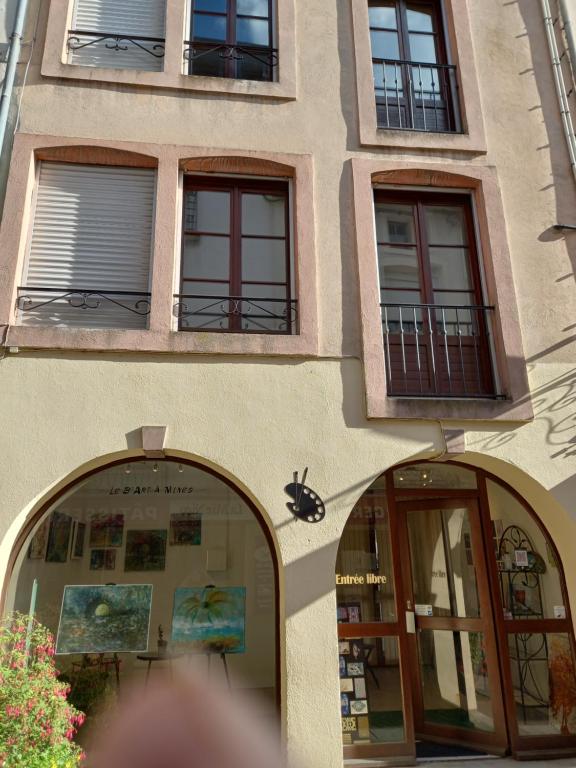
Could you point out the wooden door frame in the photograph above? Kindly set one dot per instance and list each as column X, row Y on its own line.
column 407, row 748
column 521, row 746
column 495, row 741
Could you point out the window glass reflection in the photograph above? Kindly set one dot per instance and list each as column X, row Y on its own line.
column 530, row 582
column 544, row 683
column 443, row 568
column 455, row 684
column 364, row 575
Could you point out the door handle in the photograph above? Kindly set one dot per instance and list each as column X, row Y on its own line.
column 411, row 622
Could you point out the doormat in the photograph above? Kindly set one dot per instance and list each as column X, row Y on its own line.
column 428, row 749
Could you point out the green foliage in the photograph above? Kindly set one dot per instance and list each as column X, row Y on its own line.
column 89, row 687
column 37, row 723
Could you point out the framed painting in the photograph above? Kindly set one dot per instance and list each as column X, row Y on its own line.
column 37, row 548
column 78, row 537
column 58, row 538
column 106, row 530
column 185, row 529
column 145, row 550
column 104, row 619
column 102, row 559
column 210, row 619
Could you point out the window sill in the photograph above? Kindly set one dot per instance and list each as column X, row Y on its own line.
column 160, row 341
column 504, row 409
column 412, row 138
column 281, row 89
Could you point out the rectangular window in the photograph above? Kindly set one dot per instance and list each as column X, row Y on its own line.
column 88, row 263
column 118, row 34
column 436, row 326
column 236, row 272
column 415, row 86
column 232, row 38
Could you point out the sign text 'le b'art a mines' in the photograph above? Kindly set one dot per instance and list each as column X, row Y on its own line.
column 368, row 578
column 151, row 490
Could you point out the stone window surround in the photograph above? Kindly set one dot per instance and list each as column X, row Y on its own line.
column 54, row 62
column 170, row 161
column 482, row 184
column 458, row 38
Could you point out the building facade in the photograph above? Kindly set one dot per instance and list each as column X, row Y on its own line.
column 243, row 239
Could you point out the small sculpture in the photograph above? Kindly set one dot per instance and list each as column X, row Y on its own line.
column 162, row 644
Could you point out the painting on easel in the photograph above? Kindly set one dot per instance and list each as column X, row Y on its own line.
column 210, row 619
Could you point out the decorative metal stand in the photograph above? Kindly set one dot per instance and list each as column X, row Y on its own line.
column 530, row 649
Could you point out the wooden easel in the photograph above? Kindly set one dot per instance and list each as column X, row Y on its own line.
column 225, row 663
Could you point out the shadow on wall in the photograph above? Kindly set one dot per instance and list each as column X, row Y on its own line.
column 554, row 404
column 550, row 111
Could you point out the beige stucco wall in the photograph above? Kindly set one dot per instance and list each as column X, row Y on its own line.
column 260, row 419
column 68, row 413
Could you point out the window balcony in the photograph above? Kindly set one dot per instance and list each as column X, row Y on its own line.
column 82, row 307
column 416, row 96
column 441, row 351
column 236, row 314
column 242, row 62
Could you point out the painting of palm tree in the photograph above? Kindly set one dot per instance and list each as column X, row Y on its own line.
column 210, row 619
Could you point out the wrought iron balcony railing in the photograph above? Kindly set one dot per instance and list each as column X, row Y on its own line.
column 236, row 314
column 113, row 41
column 82, row 307
column 416, row 96
column 247, row 62
column 438, row 350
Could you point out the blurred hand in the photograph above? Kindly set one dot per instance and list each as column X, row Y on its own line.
column 185, row 725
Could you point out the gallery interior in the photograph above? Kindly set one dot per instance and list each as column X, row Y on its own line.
column 147, row 569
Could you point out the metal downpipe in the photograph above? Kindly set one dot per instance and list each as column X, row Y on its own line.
column 560, row 84
column 11, row 65
column 568, row 19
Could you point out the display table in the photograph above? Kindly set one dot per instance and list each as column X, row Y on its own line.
column 152, row 657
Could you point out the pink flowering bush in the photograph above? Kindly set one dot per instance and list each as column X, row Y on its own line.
column 37, row 723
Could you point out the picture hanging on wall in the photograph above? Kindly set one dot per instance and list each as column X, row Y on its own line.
column 106, row 530
column 145, row 550
column 102, row 559
column 210, row 619
column 58, row 538
column 185, row 529
column 78, row 540
column 37, row 548
column 104, row 619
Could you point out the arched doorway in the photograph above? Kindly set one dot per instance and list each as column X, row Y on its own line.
column 455, row 635
column 146, row 568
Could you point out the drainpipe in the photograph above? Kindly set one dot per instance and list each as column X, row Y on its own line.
column 11, row 64
column 561, row 90
column 568, row 20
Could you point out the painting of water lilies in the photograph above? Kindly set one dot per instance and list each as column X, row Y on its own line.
column 210, row 619
column 104, row 619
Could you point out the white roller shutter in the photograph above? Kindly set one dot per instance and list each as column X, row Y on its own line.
column 134, row 18
column 92, row 232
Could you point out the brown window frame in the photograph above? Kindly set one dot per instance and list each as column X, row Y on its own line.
column 406, row 65
column 432, row 330
column 237, row 187
column 232, row 52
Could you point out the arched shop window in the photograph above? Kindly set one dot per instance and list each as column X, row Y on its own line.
column 453, row 620
column 147, row 568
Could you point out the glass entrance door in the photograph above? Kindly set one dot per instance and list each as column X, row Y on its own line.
column 456, row 686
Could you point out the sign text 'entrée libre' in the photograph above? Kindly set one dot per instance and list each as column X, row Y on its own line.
column 368, row 578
